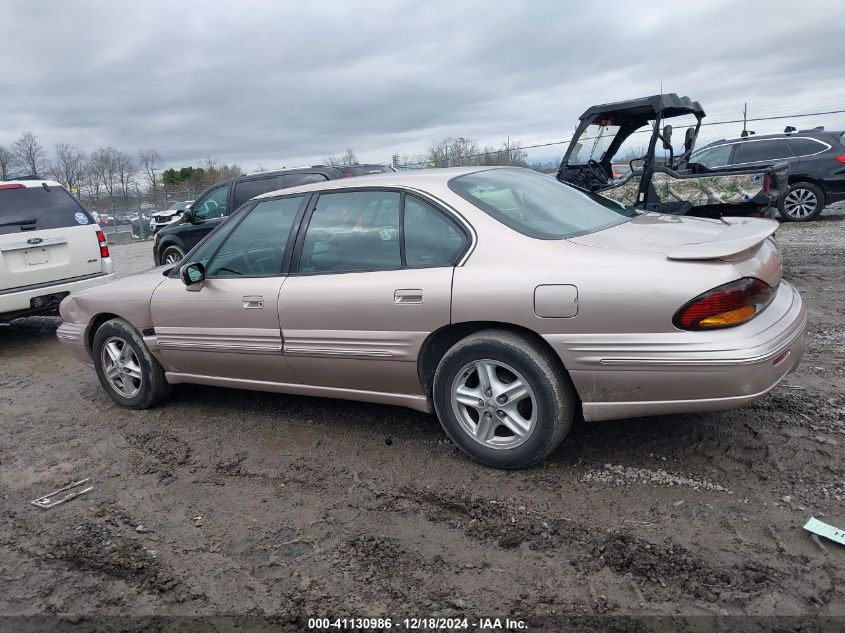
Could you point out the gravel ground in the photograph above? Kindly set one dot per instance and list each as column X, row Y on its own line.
column 225, row 501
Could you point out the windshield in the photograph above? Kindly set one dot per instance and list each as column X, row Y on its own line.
column 537, row 205
column 594, row 145
column 38, row 208
column 178, row 206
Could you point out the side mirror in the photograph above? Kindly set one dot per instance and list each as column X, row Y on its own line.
column 188, row 216
column 667, row 137
column 192, row 276
column 637, row 163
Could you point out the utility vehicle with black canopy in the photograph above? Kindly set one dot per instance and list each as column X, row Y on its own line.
column 672, row 184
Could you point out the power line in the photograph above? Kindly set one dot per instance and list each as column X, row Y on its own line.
column 586, row 138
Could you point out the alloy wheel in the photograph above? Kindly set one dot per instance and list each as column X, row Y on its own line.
column 172, row 256
column 494, row 404
column 800, row 203
column 121, row 367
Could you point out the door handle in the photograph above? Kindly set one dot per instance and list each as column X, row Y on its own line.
column 408, row 295
column 253, row 302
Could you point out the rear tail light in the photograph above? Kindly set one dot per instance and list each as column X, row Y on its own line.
column 732, row 304
column 767, row 184
column 840, row 159
column 348, row 174
column 104, row 245
column 14, row 185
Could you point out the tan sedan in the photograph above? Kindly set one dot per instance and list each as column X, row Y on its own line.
column 500, row 298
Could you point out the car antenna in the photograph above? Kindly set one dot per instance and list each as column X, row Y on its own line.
column 745, row 132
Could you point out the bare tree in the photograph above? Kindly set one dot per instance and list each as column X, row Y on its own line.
column 29, row 153
column 151, row 163
column 348, row 158
column 126, row 170
column 7, row 163
column 454, row 152
column 104, row 166
column 68, row 167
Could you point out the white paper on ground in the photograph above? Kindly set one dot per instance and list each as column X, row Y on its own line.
column 823, row 529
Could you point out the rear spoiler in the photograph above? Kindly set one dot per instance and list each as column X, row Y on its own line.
column 740, row 234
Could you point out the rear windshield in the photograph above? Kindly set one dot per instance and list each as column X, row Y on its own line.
column 38, row 208
column 537, row 205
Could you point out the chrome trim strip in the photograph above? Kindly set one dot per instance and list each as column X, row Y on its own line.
column 220, row 347
column 317, row 351
column 17, row 246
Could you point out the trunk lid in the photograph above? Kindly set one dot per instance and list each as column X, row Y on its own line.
column 684, row 238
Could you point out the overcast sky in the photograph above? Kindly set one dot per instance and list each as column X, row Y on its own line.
column 285, row 83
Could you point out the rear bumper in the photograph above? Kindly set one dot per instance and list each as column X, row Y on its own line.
column 630, row 375
column 18, row 302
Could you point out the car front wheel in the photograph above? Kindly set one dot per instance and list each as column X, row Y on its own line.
column 503, row 399
column 172, row 255
column 127, row 370
column 802, row 202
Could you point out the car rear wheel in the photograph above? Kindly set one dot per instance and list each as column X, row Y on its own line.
column 803, row 202
column 503, row 399
column 128, row 372
column 172, row 255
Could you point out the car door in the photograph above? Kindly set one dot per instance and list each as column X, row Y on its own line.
column 227, row 328
column 373, row 280
column 206, row 215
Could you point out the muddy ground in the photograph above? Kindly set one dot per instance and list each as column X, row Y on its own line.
column 233, row 502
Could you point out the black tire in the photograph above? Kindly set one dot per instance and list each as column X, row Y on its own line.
column 802, row 202
column 553, row 392
column 174, row 252
column 154, row 387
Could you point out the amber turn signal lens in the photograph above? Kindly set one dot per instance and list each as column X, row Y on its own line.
column 733, row 317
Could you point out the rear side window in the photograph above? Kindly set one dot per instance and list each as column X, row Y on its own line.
column 294, row 180
column 430, row 238
column 761, row 151
column 363, row 170
column 39, row 208
column 251, row 188
column 805, row 146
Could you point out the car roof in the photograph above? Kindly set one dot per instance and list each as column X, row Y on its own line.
column 31, row 184
column 813, row 134
column 409, row 179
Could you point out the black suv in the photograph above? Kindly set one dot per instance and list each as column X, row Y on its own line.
column 816, row 166
column 218, row 202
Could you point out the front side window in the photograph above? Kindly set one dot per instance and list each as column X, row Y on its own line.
column 212, row 205
column 538, row 206
column 761, row 152
column 256, row 246
column 353, row 231
column 430, row 239
column 712, row 157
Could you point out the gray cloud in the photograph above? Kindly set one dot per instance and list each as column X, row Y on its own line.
column 285, row 83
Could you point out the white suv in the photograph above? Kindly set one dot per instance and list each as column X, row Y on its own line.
column 50, row 246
